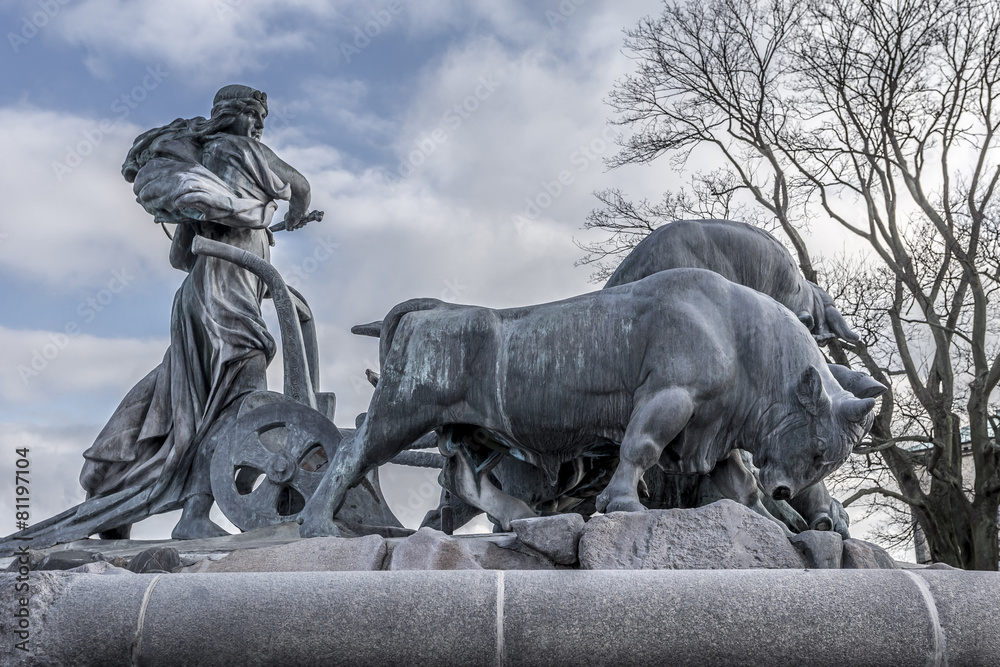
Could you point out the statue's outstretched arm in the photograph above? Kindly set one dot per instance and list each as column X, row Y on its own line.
column 298, row 205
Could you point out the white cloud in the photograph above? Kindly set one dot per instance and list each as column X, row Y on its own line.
column 71, row 218
column 230, row 35
column 38, row 367
column 509, row 118
column 515, row 21
column 342, row 101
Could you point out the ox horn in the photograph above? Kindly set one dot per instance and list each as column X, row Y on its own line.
column 856, row 409
column 860, row 384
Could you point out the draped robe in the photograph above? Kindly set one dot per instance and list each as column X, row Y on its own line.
column 153, row 453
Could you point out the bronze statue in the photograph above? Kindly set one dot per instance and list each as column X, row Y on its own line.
column 212, row 178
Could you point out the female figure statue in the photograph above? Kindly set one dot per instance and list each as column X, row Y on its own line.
column 214, row 178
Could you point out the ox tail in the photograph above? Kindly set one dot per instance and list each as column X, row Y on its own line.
column 387, row 329
column 829, row 323
column 373, row 329
column 838, row 325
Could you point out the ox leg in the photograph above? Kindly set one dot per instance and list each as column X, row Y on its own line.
column 460, row 478
column 654, row 424
column 821, row 510
column 735, row 482
column 377, row 440
column 461, row 513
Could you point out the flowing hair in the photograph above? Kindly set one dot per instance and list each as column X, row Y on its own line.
column 198, row 128
column 229, row 103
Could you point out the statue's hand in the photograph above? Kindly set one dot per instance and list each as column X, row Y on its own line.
column 296, row 221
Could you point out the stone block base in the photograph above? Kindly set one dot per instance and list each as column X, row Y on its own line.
column 481, row 617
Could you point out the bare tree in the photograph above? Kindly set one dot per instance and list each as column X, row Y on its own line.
column 880, row 117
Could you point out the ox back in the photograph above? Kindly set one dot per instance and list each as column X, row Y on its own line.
column 737, row 251
column 556, row 378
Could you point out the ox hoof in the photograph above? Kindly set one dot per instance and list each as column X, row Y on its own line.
column 842, row 528
column 623, row 505
column 197, row 529
column 822, row 522
column 321, row 528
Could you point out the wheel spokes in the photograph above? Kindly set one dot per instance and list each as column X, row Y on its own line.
column 270, row 463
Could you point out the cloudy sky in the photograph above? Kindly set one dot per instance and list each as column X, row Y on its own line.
column 433, row 134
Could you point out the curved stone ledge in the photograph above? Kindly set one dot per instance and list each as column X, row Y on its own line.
column 606, row 617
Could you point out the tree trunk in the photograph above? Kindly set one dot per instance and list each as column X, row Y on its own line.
column 986, row 549
column 944, row 531
column 921, row 550
column 960, row 533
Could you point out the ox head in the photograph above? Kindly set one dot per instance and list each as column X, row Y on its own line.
column 813, row 436
column 823, row 319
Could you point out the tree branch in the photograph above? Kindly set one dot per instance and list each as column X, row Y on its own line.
column 857, row 495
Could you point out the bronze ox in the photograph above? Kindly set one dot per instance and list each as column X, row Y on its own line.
column 679, row 369
column 743, row 254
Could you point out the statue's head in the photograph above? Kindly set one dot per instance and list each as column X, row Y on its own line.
column 237, row 109
column 243, row 106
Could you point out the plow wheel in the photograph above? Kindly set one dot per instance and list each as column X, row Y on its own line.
column 270, row 462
